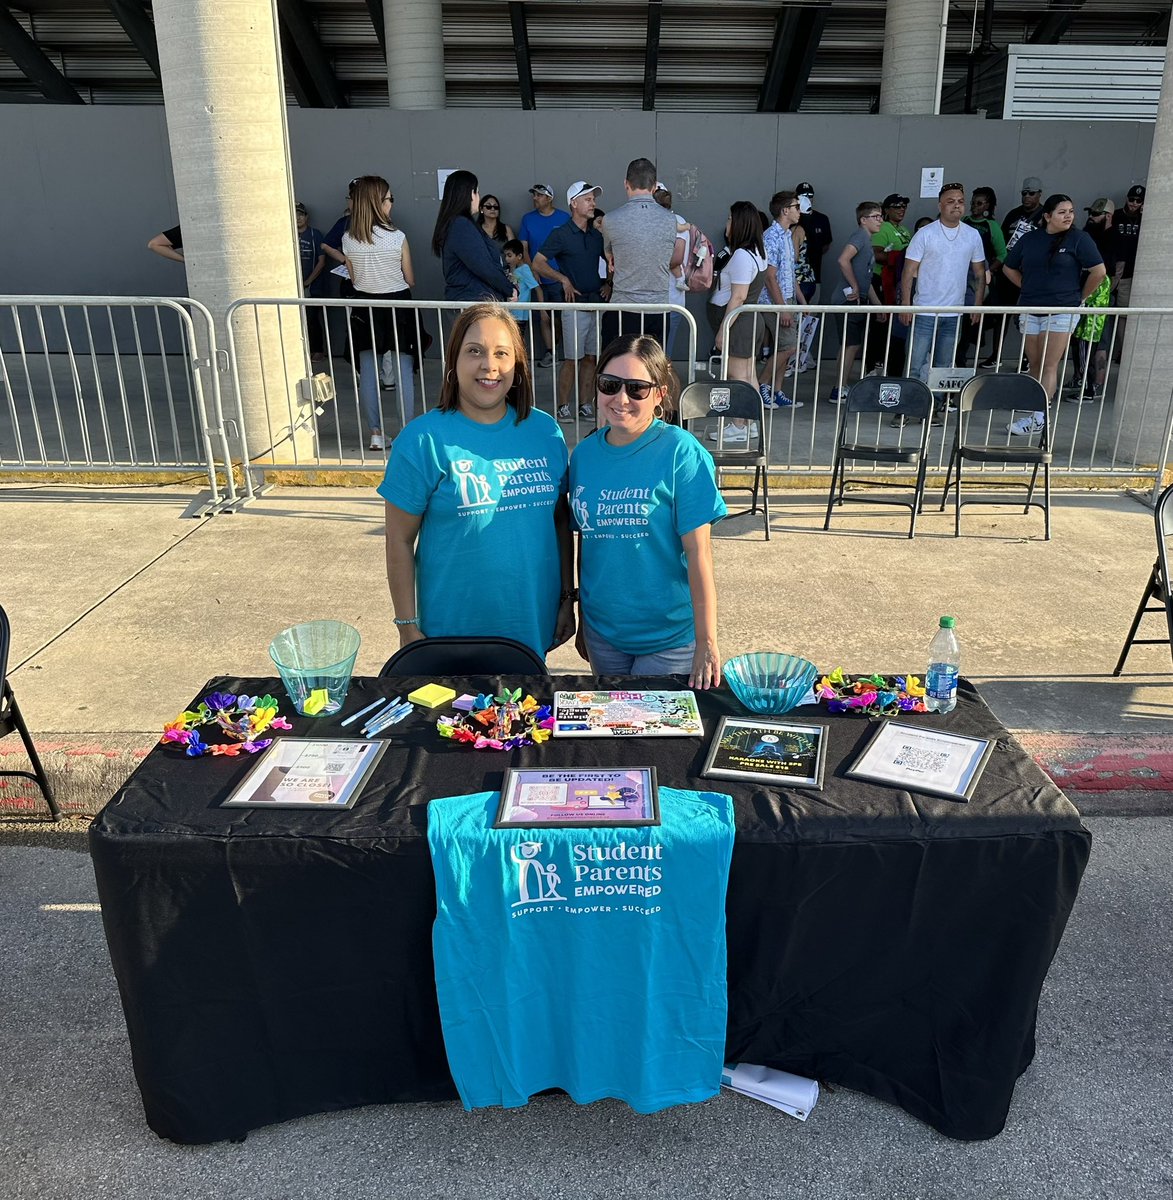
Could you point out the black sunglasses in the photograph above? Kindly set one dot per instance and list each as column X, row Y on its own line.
column 491, row 207
column 612, row 385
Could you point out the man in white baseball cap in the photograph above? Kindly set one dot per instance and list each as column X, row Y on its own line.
column 535, row 227
column 577, row 248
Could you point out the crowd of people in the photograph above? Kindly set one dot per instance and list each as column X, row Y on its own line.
column 483, row 499
column 645, row 253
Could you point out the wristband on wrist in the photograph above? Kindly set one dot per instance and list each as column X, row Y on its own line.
column 407, row 620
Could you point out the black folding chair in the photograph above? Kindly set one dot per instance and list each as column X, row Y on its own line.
column 1158, row 585
column 11, row 720
column 910, row 403
column 1001, row 393
column 726, row 399
column 457, row 656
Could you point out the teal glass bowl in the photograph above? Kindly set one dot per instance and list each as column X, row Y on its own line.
column 770, row 683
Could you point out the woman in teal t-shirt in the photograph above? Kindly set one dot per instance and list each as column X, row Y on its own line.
column 478, row 531
column 643, row 495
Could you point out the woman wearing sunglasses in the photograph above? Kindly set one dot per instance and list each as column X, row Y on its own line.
column 643, row 495
column 489, row 219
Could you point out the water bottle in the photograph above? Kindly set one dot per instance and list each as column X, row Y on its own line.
column 944, row 664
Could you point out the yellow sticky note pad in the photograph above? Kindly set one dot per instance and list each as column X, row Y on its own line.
column 318, row 699
column 432, row 695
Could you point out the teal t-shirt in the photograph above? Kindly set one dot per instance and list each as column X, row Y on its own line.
column 632, row 505
column 591, row 960
column 487, row 557
column 527, row 284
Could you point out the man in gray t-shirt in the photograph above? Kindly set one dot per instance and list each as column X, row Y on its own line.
column 856, row 288
column 639, row 242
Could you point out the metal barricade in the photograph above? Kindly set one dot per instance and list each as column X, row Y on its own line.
column 110, row 385
column 359, row 396
column 1102, row 422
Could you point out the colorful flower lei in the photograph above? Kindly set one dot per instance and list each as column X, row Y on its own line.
column 885, row 695
column 500, row 722
column 242, row 718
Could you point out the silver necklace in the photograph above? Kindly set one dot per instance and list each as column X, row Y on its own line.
column 956, row 232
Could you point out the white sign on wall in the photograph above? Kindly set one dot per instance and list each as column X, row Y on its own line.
column 931, row 179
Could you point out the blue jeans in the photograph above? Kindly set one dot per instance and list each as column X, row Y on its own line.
column 922, row 342
column 368, row 388
column 606, row 660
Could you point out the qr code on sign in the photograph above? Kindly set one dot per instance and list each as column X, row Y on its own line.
column 334, row 768
column 925, row 762
column 542, row 794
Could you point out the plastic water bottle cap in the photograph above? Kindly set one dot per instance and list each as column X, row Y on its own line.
column 948, row 622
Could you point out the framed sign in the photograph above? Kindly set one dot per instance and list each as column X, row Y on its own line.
column 923, row 760
column 614, row 798
column 308, row 773
column 626, row 714
column 765, row 750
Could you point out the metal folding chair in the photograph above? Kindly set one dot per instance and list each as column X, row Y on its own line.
column 456, row 656
column 1157, row 588
column 726, row 399
column 910, row 403
column 11, row 721
column 1000, row 393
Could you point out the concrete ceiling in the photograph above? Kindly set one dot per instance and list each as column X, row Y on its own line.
column 678, row 55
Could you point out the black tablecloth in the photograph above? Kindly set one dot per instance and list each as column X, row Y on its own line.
column 275, row 963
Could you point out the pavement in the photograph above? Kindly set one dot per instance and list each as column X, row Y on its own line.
column 122, row 608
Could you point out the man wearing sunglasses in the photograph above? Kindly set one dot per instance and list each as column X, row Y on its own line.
column 1018, row 222
column 535, row 228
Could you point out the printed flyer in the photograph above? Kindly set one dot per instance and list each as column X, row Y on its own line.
column 626, row 714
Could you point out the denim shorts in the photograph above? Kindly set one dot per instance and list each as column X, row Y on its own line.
column 1055, row 323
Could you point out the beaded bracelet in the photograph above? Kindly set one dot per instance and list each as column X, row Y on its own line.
column 406, row 620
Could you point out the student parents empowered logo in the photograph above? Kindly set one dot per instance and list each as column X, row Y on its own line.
column 627, row 872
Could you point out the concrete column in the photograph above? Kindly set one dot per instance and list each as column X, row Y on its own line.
column 225, row 103
column 415, row 53
column 1145, row 375
column 914, row 57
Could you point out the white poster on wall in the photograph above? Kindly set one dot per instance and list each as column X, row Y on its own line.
column 442, row 179
column 931, row 179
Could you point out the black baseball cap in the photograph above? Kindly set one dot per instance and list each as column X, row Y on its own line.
column 894, row 200
column 1136, row 193
column 805, row 189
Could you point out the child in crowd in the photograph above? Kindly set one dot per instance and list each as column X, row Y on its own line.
column 523, row 279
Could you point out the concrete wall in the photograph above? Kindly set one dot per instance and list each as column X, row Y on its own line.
column 85, row 188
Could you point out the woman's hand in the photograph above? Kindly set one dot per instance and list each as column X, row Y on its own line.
column 706, row 666
column 565, row 625
column 580, row 642
column 409, row 633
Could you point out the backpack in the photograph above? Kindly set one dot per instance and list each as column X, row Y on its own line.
column 698, row 267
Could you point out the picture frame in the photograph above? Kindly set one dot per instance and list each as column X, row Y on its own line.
column 321, row 773
column 768, row 750
column 919, row 759
column 608, row 798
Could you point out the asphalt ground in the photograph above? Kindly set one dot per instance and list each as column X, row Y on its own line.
column 1091, row 1117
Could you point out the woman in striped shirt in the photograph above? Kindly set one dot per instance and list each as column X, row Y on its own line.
column 379, row 262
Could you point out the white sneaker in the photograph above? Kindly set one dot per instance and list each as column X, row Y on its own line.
column 389, row 385
column 379, row 441
column 735, row 435
column 1025, row 426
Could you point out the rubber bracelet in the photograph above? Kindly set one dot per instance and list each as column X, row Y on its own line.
column 407, row 620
